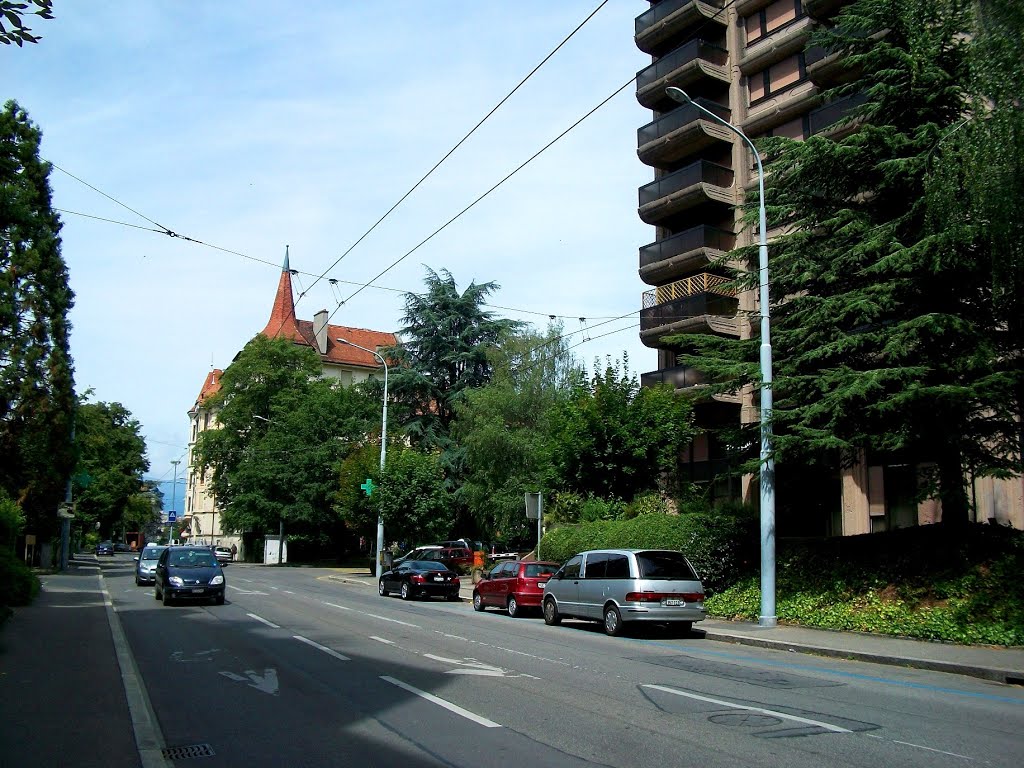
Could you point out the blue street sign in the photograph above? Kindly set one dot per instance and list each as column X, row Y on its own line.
column 172, row 516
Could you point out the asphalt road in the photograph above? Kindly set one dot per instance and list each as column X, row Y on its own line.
column 298, row 669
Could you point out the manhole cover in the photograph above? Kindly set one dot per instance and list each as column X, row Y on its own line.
column 186, row 753
column 744, row 720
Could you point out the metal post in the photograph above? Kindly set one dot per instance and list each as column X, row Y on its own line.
column 383, row 450
column 174, row 499
column 280, row 543
column 767, row 479
column 540, row 519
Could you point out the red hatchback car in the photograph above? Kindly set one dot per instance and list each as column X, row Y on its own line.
column 513, row 585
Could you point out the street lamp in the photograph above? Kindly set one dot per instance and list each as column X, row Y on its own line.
column 174, row 498
column 383, row 447
column 767, row 479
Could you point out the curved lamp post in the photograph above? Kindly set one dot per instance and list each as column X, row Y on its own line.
column 767, row 479
column 383, row 448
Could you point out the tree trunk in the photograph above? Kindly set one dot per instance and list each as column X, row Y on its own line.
column 953, row 488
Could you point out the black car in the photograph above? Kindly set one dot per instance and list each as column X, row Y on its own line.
column 416, row 578
column 188, row 573
column 120, row 546
column 105, row 548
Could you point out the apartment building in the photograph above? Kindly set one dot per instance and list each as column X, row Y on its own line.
column 339, row 361
column 748, row 62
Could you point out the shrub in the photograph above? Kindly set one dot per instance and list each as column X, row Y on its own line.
column 18, row 585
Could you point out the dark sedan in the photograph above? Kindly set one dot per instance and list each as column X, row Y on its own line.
column 105, row 548
column 188, row 573
column 420, row 578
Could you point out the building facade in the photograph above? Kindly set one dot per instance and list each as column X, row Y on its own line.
column 748, row 62
column 339, row 361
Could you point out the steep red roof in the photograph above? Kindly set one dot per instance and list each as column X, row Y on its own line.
column 284, row 324
column 210, row 387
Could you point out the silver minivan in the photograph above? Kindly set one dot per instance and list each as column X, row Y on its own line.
column 615, row 586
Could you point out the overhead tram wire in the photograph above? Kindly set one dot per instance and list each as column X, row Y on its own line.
column 460, row 142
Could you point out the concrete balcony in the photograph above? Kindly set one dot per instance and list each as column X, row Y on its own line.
column 824, row 118
column 682, row 67
column 681, row 378
column 697, row 183
column 780, row 108
column 776, row 46
column 682, row 132
column 683, row 253
column 702, row 303
column 823, row 9
column 670, row 19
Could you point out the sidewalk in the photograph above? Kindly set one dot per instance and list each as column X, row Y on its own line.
column 1003, row 665
column 62, row 699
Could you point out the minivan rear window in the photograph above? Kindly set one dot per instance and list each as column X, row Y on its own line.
column 664, row 565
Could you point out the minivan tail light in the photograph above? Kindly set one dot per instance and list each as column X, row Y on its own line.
column 693, row 597
column 644, row 597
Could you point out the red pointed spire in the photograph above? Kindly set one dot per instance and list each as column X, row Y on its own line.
column 282, row 318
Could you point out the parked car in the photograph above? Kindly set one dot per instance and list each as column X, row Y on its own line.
column 451, row 557
column 120, row 546
column 513, row 585
column 145, row 564
column 620, row 586
column 105, row 548
column 420, row 578
column 223, row 554
column 188, row 573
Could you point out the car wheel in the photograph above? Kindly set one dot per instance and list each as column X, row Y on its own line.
column 380, row 589
column 137, row 582
column 220, row 599
column 551, row 617
column 478, row 602
column 454, row 597
column 167, row 598
column 407, row 592
column 612, row 621
column 156, row 592
column 513, row 606
column 685, row 626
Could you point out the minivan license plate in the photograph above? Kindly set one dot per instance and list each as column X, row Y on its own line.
column 197, row 591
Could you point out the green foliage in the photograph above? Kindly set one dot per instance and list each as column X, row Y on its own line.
column 12, row 12
column 351, row 502
column 918, row 582
column 18, row 585
column 442, row 354
column 614, row 439
column 285, row 431
column 647, row 503
column 111, row 463
column 412, row 498
column 722, row 548
column 12, row 521
column 37, row 400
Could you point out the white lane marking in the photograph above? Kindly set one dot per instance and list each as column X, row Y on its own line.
column 395, row 621
column 275, row 587
column 382, row 640
column 762, row 710
column 267, row 682
column 335, row 605
column 287, row 591
column 442, row 703
column 260, row 618
column 940, row 751
column 324, row 648
column 246, row 591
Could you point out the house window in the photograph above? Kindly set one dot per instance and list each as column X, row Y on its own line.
column 776, row 78
column 772, row 17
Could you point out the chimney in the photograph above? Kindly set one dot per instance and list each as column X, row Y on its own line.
column 320, row 330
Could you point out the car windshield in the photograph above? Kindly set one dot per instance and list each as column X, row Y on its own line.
column 152, row 554
column 664, row 565
column 536, row 569
column 193, row 558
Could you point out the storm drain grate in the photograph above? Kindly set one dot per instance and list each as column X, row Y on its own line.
column 186, row 753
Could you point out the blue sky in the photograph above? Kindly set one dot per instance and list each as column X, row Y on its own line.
column 249, row 126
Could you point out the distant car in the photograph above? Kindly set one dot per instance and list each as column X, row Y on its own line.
column 120, row 546
column 105, row 548
column 223, row 554
column 145, row 564
column 188, row 573
column 419, row 553
column 620, row 586
column 513, row 586
column 420, row 578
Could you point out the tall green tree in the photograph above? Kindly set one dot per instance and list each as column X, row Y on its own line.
column 37, row 399
column 615, row 440
column 881, row 319
column 412, row 498
column 505, row 430
column 111, row 464
column 284, row 432
column 442, row 353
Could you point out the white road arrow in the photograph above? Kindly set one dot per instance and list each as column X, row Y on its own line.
column 469, row 667
column 267, row 683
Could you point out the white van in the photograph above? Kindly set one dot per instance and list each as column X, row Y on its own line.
column 617, row 586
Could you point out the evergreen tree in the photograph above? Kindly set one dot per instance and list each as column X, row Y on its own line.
column 37, row 400
column 881, row 318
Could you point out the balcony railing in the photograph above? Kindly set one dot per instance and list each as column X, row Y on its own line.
column 702, row 236
column 695, row 49
column 702, row 283
column 824, row 117
column 663, row 10
column 679, row 117
column 699, row 172
column 680, row 377
column 678, row 311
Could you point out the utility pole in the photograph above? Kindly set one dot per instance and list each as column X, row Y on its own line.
column 174, row 498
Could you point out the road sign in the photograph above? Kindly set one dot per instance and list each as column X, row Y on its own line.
column 172, row 516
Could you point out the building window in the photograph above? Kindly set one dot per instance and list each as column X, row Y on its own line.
column 776, row 78
column 772, row 17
